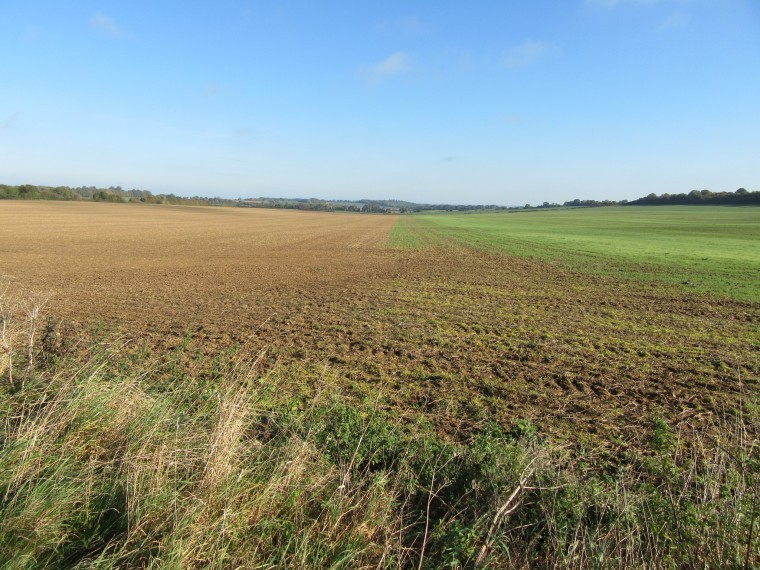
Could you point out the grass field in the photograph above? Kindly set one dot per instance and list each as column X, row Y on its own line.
column 316, row 390
column 710, row 249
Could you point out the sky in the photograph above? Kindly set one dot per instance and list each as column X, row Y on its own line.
column 471, row 102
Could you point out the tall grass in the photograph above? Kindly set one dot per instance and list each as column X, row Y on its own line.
column 123, row 459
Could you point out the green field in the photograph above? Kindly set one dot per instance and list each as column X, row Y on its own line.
column 712, row 249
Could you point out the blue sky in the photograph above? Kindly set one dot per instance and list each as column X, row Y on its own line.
column 502, row 102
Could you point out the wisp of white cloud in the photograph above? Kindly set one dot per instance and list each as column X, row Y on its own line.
column 106, row 25
column 242, row 132
column 394, row 64
column 528, row 53
column 10, row 122
column 409, row 25
column 673, row 21
column 214, row 90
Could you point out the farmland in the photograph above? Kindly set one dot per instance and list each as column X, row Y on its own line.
column 463, row 328
column 707, row 249
column 588, row 327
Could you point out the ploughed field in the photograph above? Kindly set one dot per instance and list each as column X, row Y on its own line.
column 462, row 319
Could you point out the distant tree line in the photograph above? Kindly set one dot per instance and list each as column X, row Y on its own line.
column 541, row 206
column 697, row 197
column 118, row 194
column 594, row 203
column 30, row 192
column 110, row 194
column 577, row 203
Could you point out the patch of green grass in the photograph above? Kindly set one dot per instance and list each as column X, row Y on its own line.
column 712, row 249
column 409, row 234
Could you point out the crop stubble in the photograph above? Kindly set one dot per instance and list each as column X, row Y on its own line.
column 460, row 335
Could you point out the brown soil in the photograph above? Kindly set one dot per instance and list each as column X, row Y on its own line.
column 460, row 335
